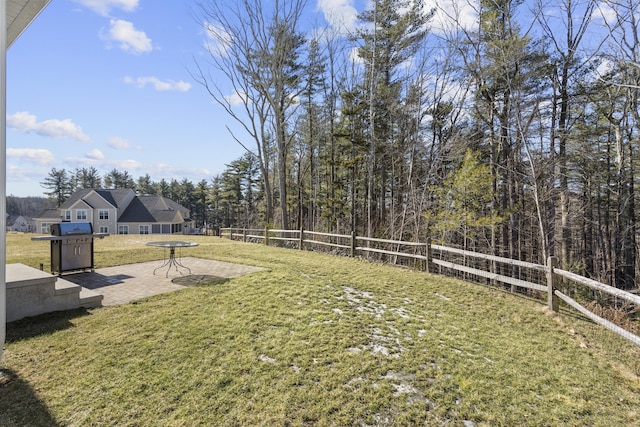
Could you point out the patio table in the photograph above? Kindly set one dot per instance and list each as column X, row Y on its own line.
column 172, row 261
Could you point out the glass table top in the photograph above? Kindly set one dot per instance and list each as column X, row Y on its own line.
column 172, row 244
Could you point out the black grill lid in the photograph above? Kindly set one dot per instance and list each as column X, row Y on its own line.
column 71, row 228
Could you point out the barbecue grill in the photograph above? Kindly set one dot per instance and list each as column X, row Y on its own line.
column 71, row 246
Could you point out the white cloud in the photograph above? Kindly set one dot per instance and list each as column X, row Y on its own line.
column 118, row 143
column 129, row 165
column 103, row 7
column 235, row 99
column 130, row 39
column 217, row 40
column 53, row 128
column 38, row 156
column 158, row 84
column 94, row 154
column 448, row 15
column 606, row 13
column 355, row 57
column 343, row 16
column 177, row 172
column 340, row 14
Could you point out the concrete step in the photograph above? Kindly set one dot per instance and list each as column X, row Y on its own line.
column 90, row 299
column 64, row 287
column 31, row 292
column 19, row 275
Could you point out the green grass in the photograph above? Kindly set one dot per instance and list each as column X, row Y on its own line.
column 314, row 340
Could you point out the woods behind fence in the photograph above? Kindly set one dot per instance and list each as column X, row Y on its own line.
column 610, row 307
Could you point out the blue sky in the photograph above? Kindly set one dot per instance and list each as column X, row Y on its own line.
column 109, row 87
column 106, row 83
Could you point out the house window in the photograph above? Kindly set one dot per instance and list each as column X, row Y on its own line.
column 166, row 228
column 144, row 229
column 81, row 214
column 67, row 216
column 46, row 227
column 155, row 229
column 104, row 214
column 123, row 229
column 104, row 229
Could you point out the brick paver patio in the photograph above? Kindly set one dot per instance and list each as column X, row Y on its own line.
column 124, row 283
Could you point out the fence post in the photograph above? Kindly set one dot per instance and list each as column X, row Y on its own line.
column 353, row 244
column 301, row 241
column 244, row 234
column 552, row 299
column 427, row 254
column 266, row 235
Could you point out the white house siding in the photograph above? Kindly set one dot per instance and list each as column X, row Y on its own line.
column 108, row 225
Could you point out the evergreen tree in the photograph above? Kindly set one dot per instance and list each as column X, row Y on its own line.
column 145, row 185
column 87, row 178
column 393, row 33
column 464, row 212
column 58, row 185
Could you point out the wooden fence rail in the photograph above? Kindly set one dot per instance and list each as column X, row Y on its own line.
column 541, row 279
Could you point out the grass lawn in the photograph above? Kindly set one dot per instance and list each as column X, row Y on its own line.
column 315, row 340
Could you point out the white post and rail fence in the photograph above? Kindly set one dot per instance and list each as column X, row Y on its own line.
column 544, row 281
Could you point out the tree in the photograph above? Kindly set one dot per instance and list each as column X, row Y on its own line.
column 87, row 178
column 307, row 145
column 162, row 188
column 566, row 35
column 393, row 34
column 504, row 68
column 145, row 185
column 58, row 185
column 258, row 51
column 464, row 212
column 201, row 200
column 117, row 179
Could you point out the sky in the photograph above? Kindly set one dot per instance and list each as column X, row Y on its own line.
column 108, row 84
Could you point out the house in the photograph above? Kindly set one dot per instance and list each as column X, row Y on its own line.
column 20, row 224
column 119, row 211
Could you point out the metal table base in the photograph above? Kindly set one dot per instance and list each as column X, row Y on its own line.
column 172, row 261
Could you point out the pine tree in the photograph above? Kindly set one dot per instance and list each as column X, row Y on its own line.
column 464, row 211
column 58, row 184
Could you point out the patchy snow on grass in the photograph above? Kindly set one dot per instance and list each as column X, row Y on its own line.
column 266, row 359
column 386, row 343
column 443, row 297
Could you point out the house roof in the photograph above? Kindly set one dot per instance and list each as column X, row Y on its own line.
column 114, row 197
column 78, row 195
column 51, row 213
column 20, row 13
column 153, row 209
column 137, row 212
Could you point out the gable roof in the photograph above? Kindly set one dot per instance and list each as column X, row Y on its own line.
column 50, row 213
column 153, row 209
column 77, row 195
column 114, row 197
